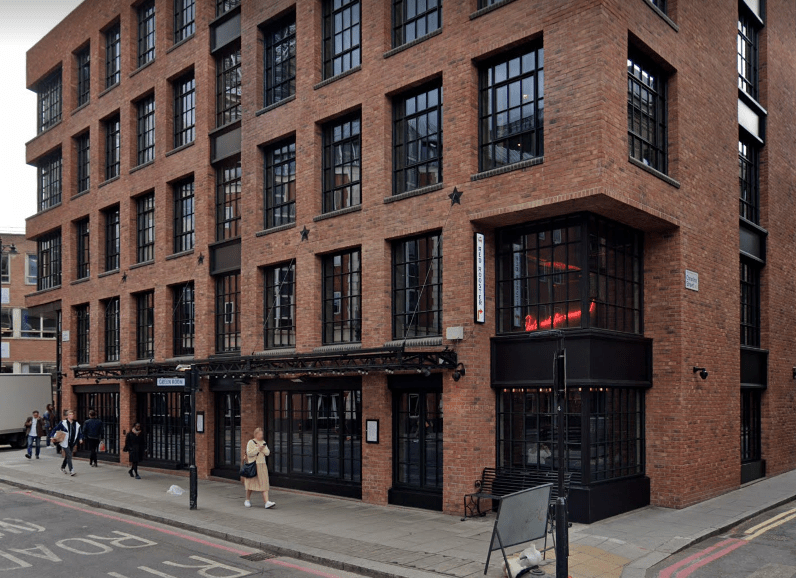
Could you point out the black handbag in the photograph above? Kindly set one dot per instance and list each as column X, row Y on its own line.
column 249, row 470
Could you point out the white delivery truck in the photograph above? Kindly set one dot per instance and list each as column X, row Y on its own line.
column 20, row 395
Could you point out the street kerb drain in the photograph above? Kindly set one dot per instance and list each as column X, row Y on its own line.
column 258, row 556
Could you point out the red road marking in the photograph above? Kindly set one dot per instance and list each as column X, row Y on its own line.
column 711, row 558
column 674, row 568
column 302, row 569
column 667, row 573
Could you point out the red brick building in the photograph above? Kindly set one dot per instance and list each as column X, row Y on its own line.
column 263, row 190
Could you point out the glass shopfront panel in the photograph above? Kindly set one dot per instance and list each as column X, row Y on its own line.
column 228, row 431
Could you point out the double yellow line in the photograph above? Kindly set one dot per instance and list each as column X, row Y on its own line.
column 764, row 527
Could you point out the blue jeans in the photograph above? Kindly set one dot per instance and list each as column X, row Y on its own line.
column 34, row 440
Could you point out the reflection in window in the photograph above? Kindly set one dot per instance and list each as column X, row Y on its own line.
column 342, row 153
column 417, row 139
column 342, row 36
column 417, row 287
column 342, row 298
column 646, row 112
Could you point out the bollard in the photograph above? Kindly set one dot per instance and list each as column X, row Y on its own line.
column 562, row 539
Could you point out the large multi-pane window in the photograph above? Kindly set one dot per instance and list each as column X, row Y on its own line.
column 646, row 112
column 112, row 326
column 342, row 297
column 228, row 79
column 228, row 188
column 145, row 325
column 31, row 269
column 280, row 184
column 146, row 130
column 751, row 430
column 228, row 313
column 146, row 32
column 49, row 181
column 184, row 236
column 83, row 146
column 342, row 154
column 417, row 139
column 49, row 251
column 280, row 60
column 417, row 287
column 184, row 110
column 82, row 235
column 83, row 331
column 183, row 323
column 5, row 268
column 280, row 306
column 747, row 53
column 750, row 303
column 512, row 109
column 184, row 19
column 570, row 272
column 223, row 6
column 48, row 92
column 748, row 165
column 37, row 326
column 112, row 239
column 113, row 143
column 342, row 36
column 413, row 19
column 145, row 227
column 113, row 55
column 83, row 60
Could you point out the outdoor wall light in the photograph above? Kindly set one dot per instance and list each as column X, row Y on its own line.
column 459, row 372
column 425, row 371
column 703, row 373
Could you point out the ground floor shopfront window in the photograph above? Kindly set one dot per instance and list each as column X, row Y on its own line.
column 228, row 434
column 165, row 417
column 105, row 401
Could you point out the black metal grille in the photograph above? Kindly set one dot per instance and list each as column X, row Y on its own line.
column 83, row 145
column 184, row 19
column 417, row 287
column 228, row 313
column 747, row 53
column 342, row 297
column 82, row 233
column 616, row 432
column 112, row 329
column 417, row 139
column 112, row 147
column 418, row 439
column 228, row 79
column 113, row 56
column 228, row 431
column 184, row 236
column 342, row 36
column 145, row 325
column 146, row 130
column 646, row 112
column 184, row 110
column 145, row 220
column 280, row 306
column 106, row 404
column 280, row 184
column 165, row 418
column 146, row 32
column 280, row 60
column 49, row 261
column 751, row 429
column 48, row 93
column 228, row 187
column 183, row 324
column 342, row 152
column 748, row 164
column 49, row 185
column 413, row 19
column 750, row 303
column 112, row 239
column 83, row 319
column 83, row 59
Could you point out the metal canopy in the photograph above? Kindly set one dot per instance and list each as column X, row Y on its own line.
column 357, row 362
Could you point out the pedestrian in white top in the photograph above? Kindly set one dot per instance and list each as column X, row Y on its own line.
column 68, row 435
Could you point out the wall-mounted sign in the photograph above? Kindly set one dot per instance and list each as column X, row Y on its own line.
column 200, row 422
column 480, row 279
column 372, row 431
column 5, row 296
column 64, row 336
column 691, row 280
column 171, row 382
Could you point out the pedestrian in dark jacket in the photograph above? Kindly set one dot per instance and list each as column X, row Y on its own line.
column 135, row 445
column 92, row 431
column 35, row 428
column 49, row 420
column 70, row 435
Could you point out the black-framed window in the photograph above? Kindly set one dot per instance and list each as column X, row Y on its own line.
column 108, row 409
column 145, row 228
column 228, row 313
column 83, row 253
column 342, row 166
column 751, row 426
column 5, row 268
column 49, row 259
column 342, row 36
column 145, row 325
column 112, row 329
column 83, row 146
column 280, row 60
column 113, row 143
column 184, row 19
column 418, row 433
column 417, row 287
column 146, row 129
column 280, row 184
column 48, row 93
column 417, row 139
column 342, row 297
column 146, row 32
column 228, row 80
column 166, row 418
column 511, row 108
column 184, row 235
column 113, row 238
column 748, row 178
column 183, row 325
column 83, row 61
column 748, row 39
column 660, row 4
column 280, row 306
column 223, row 6
column 413, row 19
column 49, row 181
column 228, row 190
column 83, row 333
column 750, row 303
column 570, row 272
column 184, row 110
column 646, row 112
column 113, row 55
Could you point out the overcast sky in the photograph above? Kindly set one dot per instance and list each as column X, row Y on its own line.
column 22, row 24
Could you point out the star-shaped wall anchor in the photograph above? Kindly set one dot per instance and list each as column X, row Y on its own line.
column 305, row 233
column 455, row 197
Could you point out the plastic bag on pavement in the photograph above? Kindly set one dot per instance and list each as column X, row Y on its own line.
column 175, row 491
column 530, row 557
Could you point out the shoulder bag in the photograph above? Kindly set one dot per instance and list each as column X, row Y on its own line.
column 248, row 470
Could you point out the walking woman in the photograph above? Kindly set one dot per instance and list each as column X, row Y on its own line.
column 256, row 450
column 135, row 445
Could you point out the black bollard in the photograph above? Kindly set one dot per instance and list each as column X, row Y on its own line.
column 562, row 539
column 194, row 489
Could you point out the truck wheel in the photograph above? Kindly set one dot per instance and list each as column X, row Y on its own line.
column 19, row 441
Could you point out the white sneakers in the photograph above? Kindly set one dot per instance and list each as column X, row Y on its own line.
column 247, row 503
column 269, row 504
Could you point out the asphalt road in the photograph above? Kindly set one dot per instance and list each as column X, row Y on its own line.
column 45, row 536
column 764, row 547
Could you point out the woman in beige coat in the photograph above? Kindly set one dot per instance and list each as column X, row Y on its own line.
column 256, row 450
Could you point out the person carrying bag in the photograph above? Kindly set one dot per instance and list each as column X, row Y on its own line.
column 254, row 470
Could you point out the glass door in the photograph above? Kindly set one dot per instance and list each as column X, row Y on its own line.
column 228, row 434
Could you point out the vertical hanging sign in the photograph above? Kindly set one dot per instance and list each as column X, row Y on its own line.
column 480, row 280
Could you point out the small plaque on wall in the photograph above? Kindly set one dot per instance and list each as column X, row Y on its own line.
column 372, row 431
column 200, row 422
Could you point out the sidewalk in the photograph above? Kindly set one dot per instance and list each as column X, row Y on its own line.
column 388, row 541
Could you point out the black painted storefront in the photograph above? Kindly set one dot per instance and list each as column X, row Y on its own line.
column 228, row 434
column 165, row 416
column 104, row 399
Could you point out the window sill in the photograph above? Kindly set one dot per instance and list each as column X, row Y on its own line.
column 654, row 172
column 43, row 291
column 752, row 102
column 415, row 193
column 337, row 213
column 507, row 169
column 412, row 43
column 141, row 166
column 276, row 229
column 323, row 83
column 81, row 107
column 108, row 273
column 142, row 67
column 179, row 148
column 109, row 181
column 271, row 107
column 176, row 45
column 337, row 347
column 488, row 9
column 142, row 264
column 415, row 342
column 79, row 281
column 49, row 128
column 107, row 90
column 48, row 209
column 663, row 15
column 276, row 352
column 80, row 194
column 180, row 254
column 224, row 127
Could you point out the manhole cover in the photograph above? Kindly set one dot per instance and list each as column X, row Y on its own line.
column 258, row 556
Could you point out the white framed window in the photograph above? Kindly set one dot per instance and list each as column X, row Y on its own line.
column 31, row 269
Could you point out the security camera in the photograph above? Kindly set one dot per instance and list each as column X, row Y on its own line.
column 703, row 373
